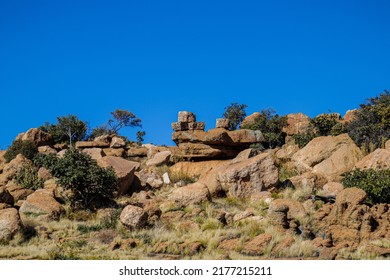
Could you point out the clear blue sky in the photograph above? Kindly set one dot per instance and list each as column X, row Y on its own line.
column 155, row 58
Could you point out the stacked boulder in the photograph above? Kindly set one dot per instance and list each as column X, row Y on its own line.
column 187, row 121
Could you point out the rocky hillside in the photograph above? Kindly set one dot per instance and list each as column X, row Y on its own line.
column 216, row 195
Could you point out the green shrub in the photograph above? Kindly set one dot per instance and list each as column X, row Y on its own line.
column 235, row 113
column 376, row 183
column 271, row 125
column 27, row 177
column 324, row 123
column 303, row 139
column 27, row 148
column 338, row 129
column 47, row 161
column 91, row 184
column 371, row 125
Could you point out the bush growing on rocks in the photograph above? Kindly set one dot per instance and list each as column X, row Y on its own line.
column 376, row 183
column 27, row 177
column 371, row 125
column 90, row 183
column 271, row 125
column 235, row 113
column 27, row 148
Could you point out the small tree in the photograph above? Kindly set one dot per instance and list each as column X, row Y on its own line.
column 68, row 128
column 235, row 113
column 89, row 182
column 27, row 148
column 140, row 137
column 121, row 119
column 324, row 123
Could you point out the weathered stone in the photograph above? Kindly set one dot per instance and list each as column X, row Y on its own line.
column 117, row 142
column 196, row 126
column 133, row 217
column 282, row 211
column 47, row 150
column 39, row 137
column 124, row 170
column 229, row 244
column 11, row 168
column 6, row 197
column 198, row 150
column 104, row 139
column 166, row 178
column 328, row 155
column 378, row 160
column 180, row 126
column 190, row 194
column 117, row 152
column 160, row 158
column 150, row 179
column 10, row 223
column 250, row 120
column 287, row 151
column 258, row 245
column 242, row 216
column 297, row 124
column 185, row 116
column 244, row 178
column 333, row 188
column 349, row 116
column 43, row 205
column 44, row 174
column 18, row 192
column 91, row 144
column 94, row 153
column 222, row 123
column 308, row 180
column 245, row 155
column 137, row 152
column 387, row 145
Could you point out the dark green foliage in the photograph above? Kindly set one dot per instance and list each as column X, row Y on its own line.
column 27, row 177
column 89, row 182
column 324, row 123
column 68, row 129
column 27, row 148
column 371, row 125
column 140, row 137
column 235, row 113
column 99, row 131
column 271, row 125
column 376, row 183
column 338, row 129
column 303, row 139
column 47, row 161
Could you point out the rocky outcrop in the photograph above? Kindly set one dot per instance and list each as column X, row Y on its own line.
column 47, row 150
column 160, row 158
column 258, row 245
column 91, row 144
column 133, row 217
column 349, row 221
column 379, row 160
column 216, row 143
column 297, row 124
column 11, row 168
column 190, row 194
column 284, row 211
column 43, row 205
column 39, row 137
column 250, row 120
column 244, row 178
column 187, row 121
column 349, row 116
column 10, row 223
column 94, row 153
column 124, row 170
column 329, row 156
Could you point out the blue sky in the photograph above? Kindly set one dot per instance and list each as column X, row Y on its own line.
column 155, row 58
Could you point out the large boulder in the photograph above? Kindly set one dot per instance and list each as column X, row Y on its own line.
column 11, row 168
column 91, row 144
column 10, row 223
column 379, row 159
column 190, row 194
column 329, row 156
column 47, row 150
column 94, row 153
column 133, row 217
column 43, row 205
column 124, row 170
column 258, row 245
column 160, row 158
column 244, row 178
column 39, row 137
column 297, row 124
column 117, row 142
column 250, row 120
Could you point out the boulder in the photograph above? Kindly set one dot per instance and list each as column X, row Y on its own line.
column 133, row 217
column 124, row 170
column 191, row 194
column 378, row 160
column 329, row 156
column 159, row 159
column 258, row 245
column 244, row 178
column 47, row 150
column 6, row 197
column 222, row 123
column 282, row 211
column 11, row 168
column 150, row 179
column 18, row 192
column 166, row 178
column 297, row 124
column 349, row 116
column 91, row 144
column 203, row 151
column 250, row 120
column 42, row 204
column 117, row 142
column 287, row 151
column 333, row 188
column 10, row 223
column 44, row 174
column 104, row 139
column 137, row 152
column 39, row 137
column 186, row 117
column 94, row 153
column 117, row 152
